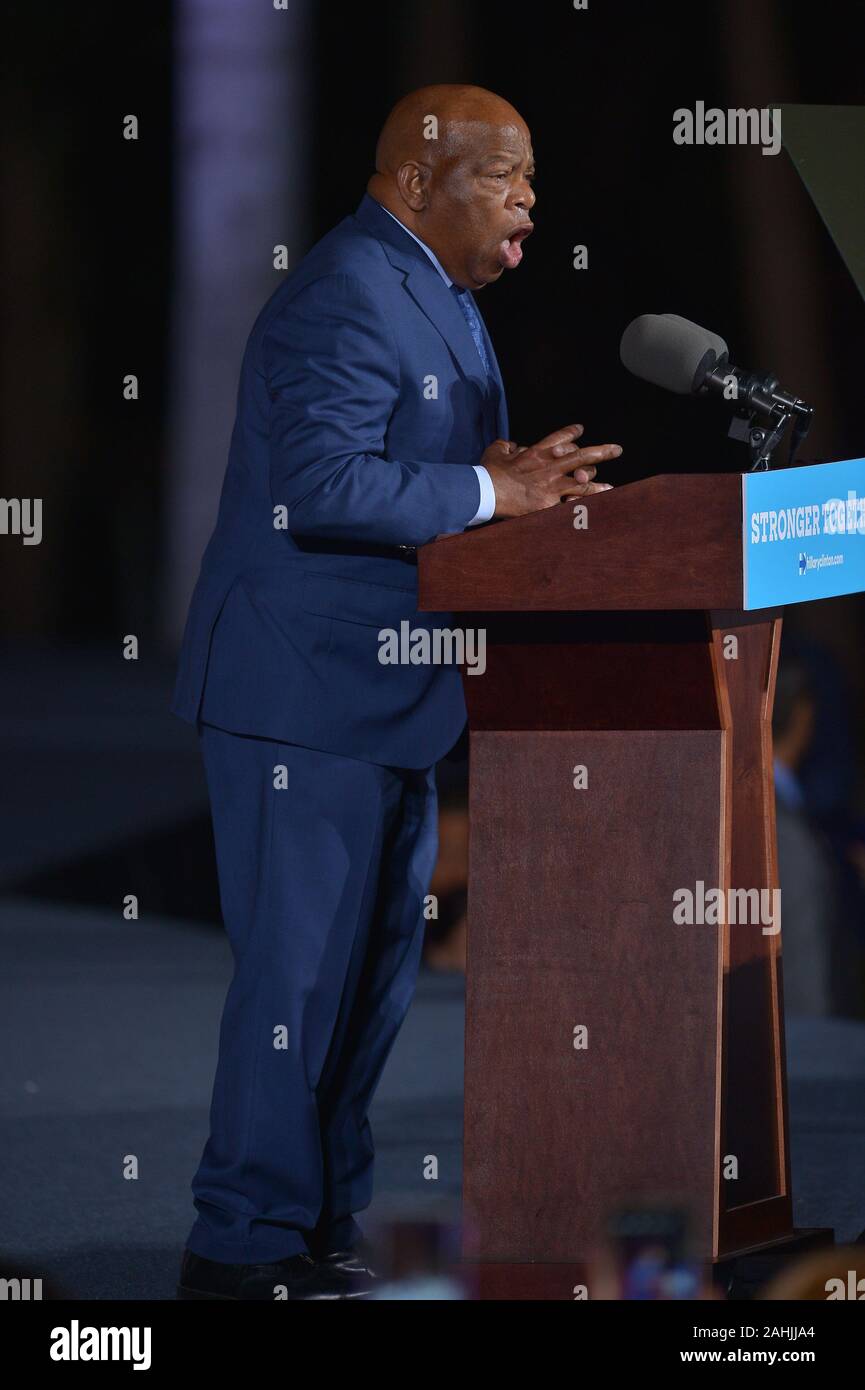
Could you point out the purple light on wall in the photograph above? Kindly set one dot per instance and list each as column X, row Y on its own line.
column 241, row 149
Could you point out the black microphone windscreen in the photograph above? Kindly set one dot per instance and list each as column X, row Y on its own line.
column 670, row 351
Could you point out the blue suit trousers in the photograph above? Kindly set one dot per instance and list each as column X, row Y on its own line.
column 324, row 862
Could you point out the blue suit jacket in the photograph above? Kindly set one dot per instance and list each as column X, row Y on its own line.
column 339, row 423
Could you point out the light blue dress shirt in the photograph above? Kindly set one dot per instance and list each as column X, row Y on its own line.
column 487, row 507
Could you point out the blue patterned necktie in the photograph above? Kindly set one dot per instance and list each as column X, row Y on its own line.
column 472, row 318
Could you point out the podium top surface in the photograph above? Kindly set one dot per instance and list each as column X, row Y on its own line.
column 671, row 541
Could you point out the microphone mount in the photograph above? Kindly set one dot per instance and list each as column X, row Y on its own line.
column 763, row 411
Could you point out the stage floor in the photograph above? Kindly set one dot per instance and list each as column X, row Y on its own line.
column 109, row 1042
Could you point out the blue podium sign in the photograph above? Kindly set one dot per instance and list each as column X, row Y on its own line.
column 804, row 533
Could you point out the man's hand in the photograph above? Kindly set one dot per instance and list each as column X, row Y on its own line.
column 530, row 479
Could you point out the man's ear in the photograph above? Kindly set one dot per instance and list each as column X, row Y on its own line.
column 412, row 180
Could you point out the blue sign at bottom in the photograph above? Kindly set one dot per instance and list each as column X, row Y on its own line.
column 804, row 533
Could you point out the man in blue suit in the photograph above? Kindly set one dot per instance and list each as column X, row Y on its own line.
column 371, row 419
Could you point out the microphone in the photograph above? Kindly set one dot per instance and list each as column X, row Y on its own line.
column 672, row 352
column 680, row 356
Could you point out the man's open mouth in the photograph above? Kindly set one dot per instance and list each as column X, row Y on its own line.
column 511, row 249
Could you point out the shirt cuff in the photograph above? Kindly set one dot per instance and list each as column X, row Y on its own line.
column 486, row 510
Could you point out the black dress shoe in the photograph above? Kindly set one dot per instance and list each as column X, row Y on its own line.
column 297, row 1277
column 351, row 1266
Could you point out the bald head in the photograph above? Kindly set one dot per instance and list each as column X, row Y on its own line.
column 436, row 121
column 454, row 164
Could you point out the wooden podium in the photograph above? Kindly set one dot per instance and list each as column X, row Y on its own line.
column 608, row 649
